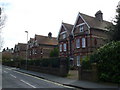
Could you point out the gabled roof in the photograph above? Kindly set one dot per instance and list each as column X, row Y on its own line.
column 22, row 46
column 46, row 40
column 93, row 22
column 68, row 27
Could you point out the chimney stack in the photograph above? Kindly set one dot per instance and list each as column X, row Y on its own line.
column 49, row 34
column 99, row 15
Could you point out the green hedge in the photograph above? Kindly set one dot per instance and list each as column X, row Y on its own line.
column 108, row 62
column 53, row 62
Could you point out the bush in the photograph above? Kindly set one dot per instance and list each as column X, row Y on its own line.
column 108, row 62
column 86, row 64
column 54, row 53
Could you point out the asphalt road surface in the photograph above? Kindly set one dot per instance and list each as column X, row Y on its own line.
column 15, row 79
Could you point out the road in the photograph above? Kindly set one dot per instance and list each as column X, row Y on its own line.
column 15, row 79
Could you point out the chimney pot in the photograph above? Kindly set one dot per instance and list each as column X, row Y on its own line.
column 49, row 34
column 99, row 15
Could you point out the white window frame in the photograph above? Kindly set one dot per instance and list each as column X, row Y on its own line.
column 33, row 51
column 60, row 47
column 78, row 60
column 65, row 46
column 64, row 35
column 83, row 42
column 81, row 28
column 77, row 43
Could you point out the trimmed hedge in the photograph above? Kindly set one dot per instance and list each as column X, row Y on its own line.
column 108, row 62
column 45, row 62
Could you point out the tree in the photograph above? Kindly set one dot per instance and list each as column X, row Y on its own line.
column 54, row 53
column 107, row 58
column 2, row 24
column 2, row 18
column 115, row 29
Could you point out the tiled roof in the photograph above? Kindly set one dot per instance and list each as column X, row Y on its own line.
column 68, row 27
column 22, row 46
column 46, row 40
column 93, row 22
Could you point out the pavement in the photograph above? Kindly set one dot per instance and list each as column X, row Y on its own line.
column 69, row 82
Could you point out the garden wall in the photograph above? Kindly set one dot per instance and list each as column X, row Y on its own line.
column 90, row 74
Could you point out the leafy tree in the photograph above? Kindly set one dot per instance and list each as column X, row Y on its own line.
column 108, row 62
column 54, row 53
column 115, row 29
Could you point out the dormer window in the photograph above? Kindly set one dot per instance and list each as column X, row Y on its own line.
column 81, row 28
column 64, row 36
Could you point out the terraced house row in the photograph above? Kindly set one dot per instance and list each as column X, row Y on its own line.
column 74, row 41
column 37, row 48
column 83, row 38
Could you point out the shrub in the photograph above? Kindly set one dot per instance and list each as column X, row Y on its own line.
column 108, row 62
column 86, row 64
column 54, row 53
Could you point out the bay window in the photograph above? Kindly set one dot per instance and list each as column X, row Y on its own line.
column 60, row 47
column 83, row 42
column 64, row 45
column 77, row 43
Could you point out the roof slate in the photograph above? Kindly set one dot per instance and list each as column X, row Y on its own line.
column 46, row 40
column 22, row 46
column 68, row 27
column 93, row 22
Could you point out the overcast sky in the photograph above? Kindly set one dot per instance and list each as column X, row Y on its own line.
column 43, row 16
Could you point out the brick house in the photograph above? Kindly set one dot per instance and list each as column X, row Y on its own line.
column 20, row 51
column 89, row 33
column 64, row 39
column 41, row 46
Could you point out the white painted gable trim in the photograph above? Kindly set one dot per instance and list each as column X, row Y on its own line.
column 60, row 30
column 80, row 24
column 63, row 32
column 84, row 20
column 76, row 22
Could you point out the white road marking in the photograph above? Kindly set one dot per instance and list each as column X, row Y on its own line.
column 5, row 72
column 12, row 75
column 44, row 80
column 28, row 83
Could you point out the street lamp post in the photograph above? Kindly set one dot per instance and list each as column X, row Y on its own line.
column 26, row 49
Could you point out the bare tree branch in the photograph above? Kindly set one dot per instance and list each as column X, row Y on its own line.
column 2, row 24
